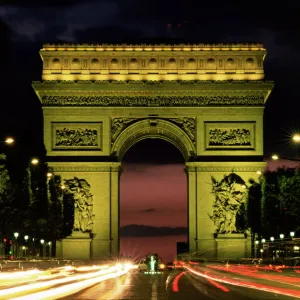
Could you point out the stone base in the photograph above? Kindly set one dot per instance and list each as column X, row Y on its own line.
column 233, row 246
column 76, row 246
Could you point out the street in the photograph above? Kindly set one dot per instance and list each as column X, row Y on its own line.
column 182, row 284
column 117, row 280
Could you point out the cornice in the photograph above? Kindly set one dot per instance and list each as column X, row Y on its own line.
column 149, row 82
column 153, row 47
column 153, row 86
column 86, row 167
column 227, row 167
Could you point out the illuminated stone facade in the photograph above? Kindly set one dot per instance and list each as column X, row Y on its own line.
column 99, row 100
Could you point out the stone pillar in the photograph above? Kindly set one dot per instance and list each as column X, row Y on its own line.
column 200, row 225
column 202, row 229
column 114, row 210
column 192, row 208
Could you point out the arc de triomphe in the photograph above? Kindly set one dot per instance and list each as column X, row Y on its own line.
column 207, row 100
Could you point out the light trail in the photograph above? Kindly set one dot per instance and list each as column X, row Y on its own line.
column 72, row 288
column 4, row 293
column 251, row 285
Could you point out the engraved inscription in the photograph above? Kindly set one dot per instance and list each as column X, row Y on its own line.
column 229, row 137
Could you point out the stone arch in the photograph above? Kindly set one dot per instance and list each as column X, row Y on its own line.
column 153, row 128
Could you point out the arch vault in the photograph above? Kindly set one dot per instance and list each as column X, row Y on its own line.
column 210, row 109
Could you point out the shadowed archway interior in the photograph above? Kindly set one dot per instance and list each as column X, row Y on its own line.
column 153, row 199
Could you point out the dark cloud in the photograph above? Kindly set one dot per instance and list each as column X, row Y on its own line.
column 144, row 230
column 148, row 210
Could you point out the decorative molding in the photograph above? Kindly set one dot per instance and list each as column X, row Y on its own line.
column 153, row 127
column 144, row 101
column 224, row 169
column 229, row 135
column 118, row 125
column 188, row 125
column 85, row 169
column 146, row 47
column 152, row 82
column 77, row 136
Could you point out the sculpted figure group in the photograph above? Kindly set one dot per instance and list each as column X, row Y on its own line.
column 230, row 194
column 83, row 203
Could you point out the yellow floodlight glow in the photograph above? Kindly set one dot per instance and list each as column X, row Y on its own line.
column 34, row 161
column 9, row 140
column 296, row 138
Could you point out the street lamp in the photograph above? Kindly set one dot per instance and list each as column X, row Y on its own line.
column 256, row 244
column 281, row 235
column 9, row 140
column 16, row 235
column 34, row 161
column 296, row 138
column 262, row 253
column 43, row 247
column 50, row 244
column 263, row 240
column 292, row 234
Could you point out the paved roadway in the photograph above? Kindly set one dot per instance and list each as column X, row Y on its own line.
column 177, row 285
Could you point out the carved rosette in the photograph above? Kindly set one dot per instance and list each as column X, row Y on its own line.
column 83, row 203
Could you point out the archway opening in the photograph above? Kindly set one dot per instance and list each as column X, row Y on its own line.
column 153, row 200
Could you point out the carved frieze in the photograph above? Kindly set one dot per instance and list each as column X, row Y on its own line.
column 77, row 135
column 226, row 135
column 143, row 101
column 229, row 137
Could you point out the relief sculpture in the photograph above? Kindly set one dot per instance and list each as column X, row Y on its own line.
column 229, row 137
column 230, row 198
column 119, row 124
column 188, row 125
column 71, row 137
column 83, row 203
column 144, row 101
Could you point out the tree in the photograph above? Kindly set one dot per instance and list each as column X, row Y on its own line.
column 270, row 204
column 289, row 197
column 254, row 214
column 6, row 198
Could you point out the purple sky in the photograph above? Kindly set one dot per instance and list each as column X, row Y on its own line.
column 154, row 195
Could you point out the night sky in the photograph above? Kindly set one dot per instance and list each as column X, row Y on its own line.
column 24, row 29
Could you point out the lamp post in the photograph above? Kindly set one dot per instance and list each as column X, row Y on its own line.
column 281, row 235
column 50, row 248
column 256, row 244
column 272, row 240
column 26, row 237
column 43, row 247
column 262, row 253
column 16, row 235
